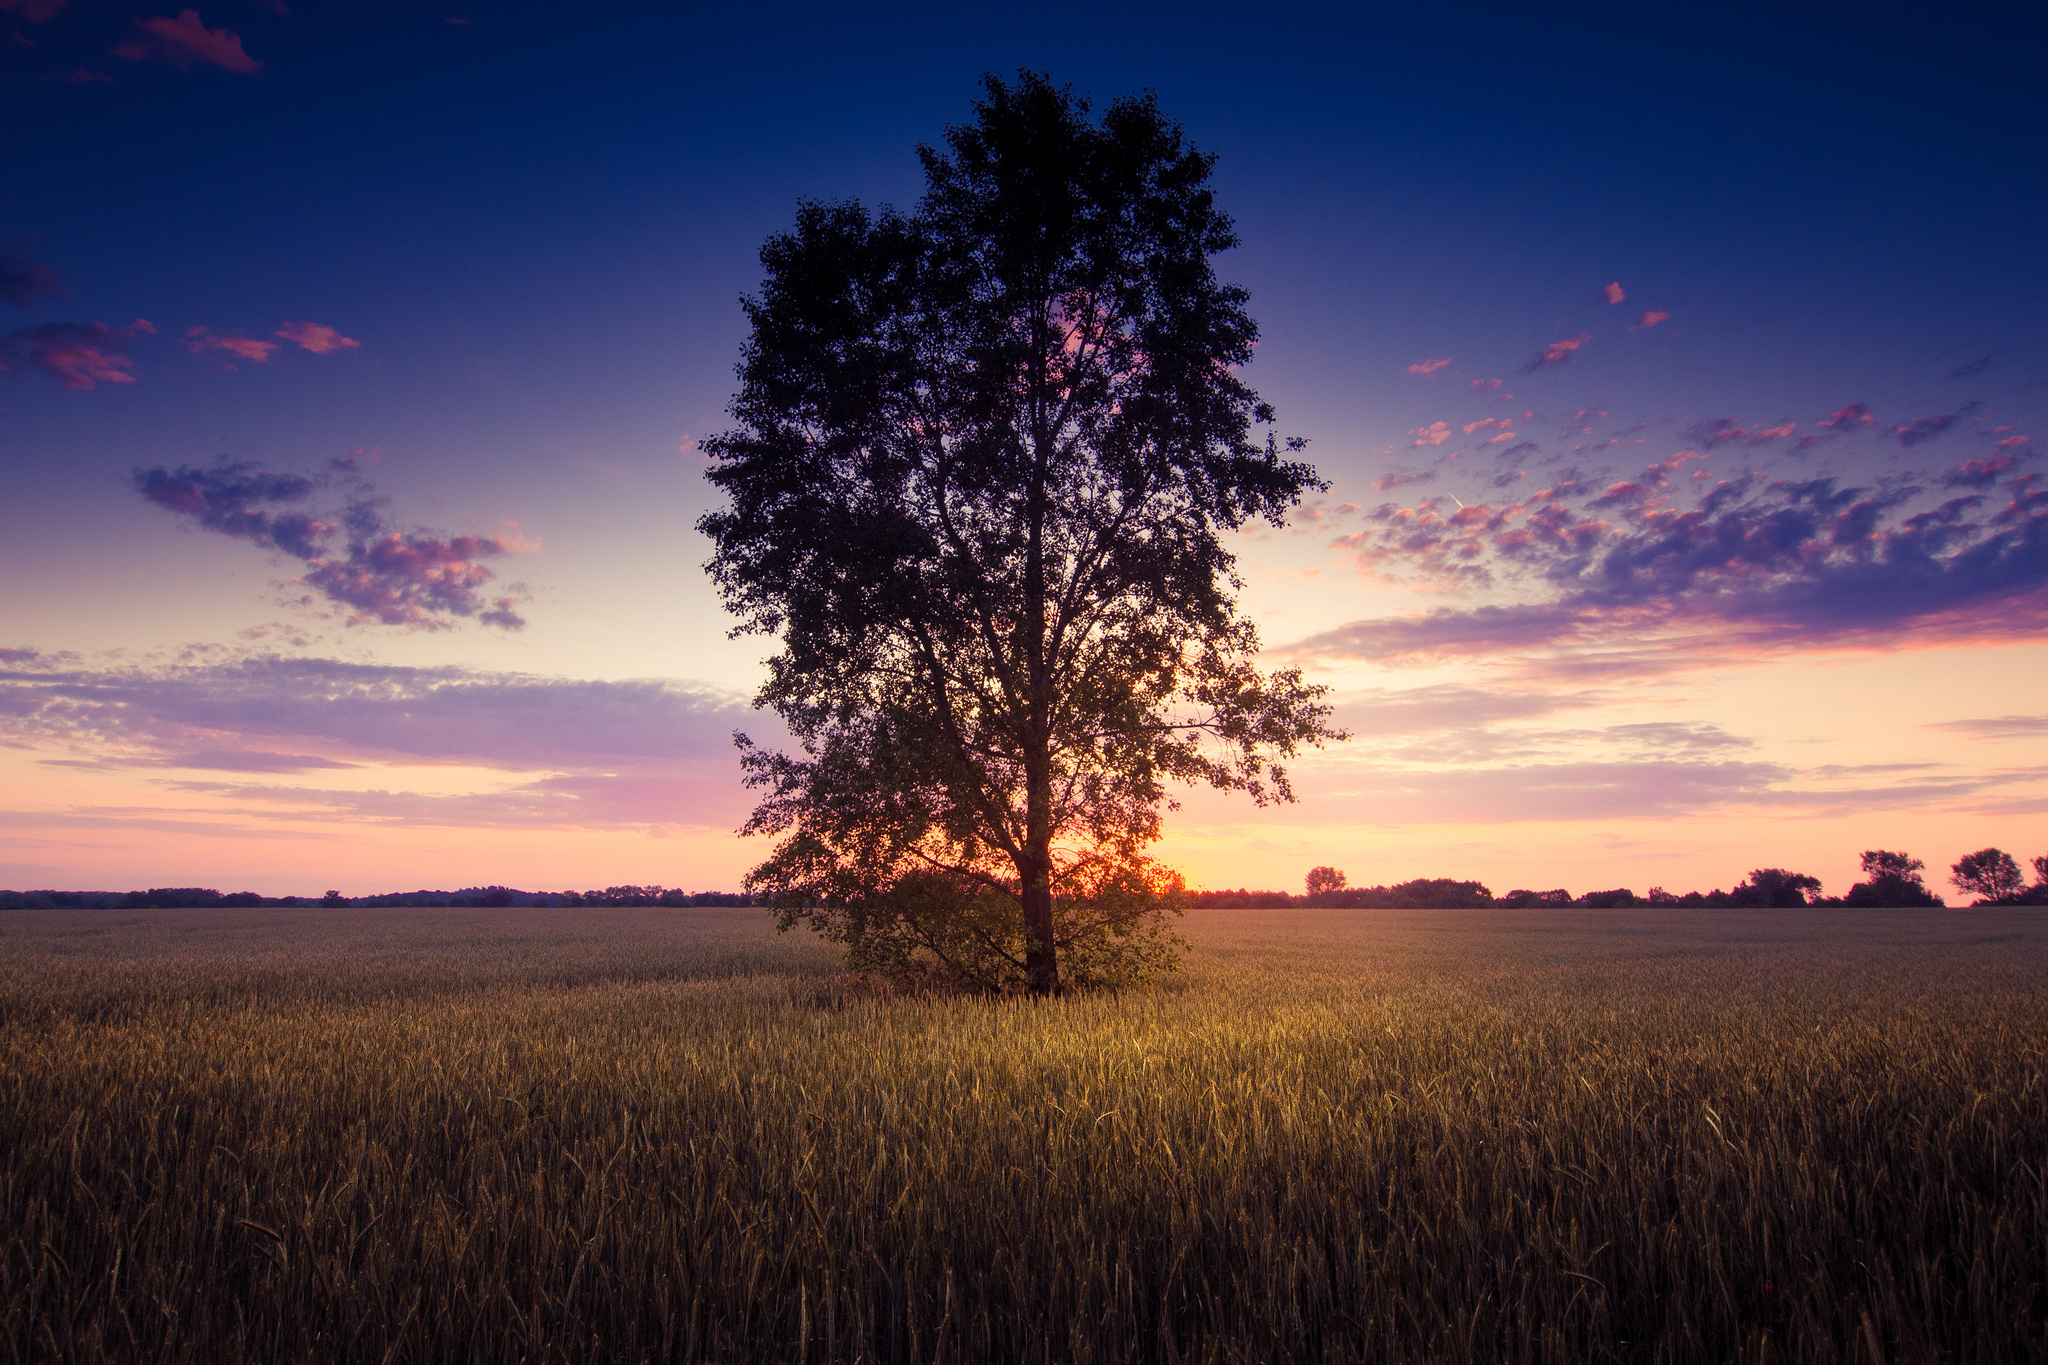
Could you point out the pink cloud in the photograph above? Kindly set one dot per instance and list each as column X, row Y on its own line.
column 2011, row 441
column 1855, row 415
column 1428, row 366
column 1504, row 436
column 1486, row 383
column 1613, row 293
column 184, row 41
column 78, row 355
column 1471, row 427
column 1557, row 353
column 311, row 336
column 34, row 11
column 1773, row 433
column 199, row 339
column 353, row 555
column 1978, row 473
column 1650, row 319
column 1435, row 434
column 1927, row 428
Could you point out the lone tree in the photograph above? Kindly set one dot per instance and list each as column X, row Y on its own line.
column 1988, row 874
column 1322, row 880
column 982, row 461
column 1891, row 879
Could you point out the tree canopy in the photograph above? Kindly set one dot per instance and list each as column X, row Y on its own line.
column 1990, row 873
column 983, row 458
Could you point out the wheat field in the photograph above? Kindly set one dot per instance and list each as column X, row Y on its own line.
column 671, row 1135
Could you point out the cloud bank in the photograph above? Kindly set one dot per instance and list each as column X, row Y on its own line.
column 185, row 41
column 639, row 754
column 1649, row 573
column 78, row 355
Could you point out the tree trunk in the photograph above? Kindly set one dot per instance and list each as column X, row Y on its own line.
column 1041, row 954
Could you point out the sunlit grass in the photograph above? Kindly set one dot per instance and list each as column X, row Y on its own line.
column 1339, row 1135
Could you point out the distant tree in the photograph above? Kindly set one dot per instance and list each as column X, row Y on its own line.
column 333, row 898
column 1774, row 888
column 1989, row 874
column 1890, row 879
column 984, row 461
column 1323, row 879
column 1621, row 898
column 497, row 898
column 1536, row 900
column 1438, row 893
column 1659, row 896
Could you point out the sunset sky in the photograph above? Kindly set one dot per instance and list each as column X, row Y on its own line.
column 1681, row 384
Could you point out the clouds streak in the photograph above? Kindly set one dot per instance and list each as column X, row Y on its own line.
column 1748, row 566
column 644, row 753
column 353, row 555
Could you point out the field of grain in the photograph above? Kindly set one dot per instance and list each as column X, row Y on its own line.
column 573, row 1135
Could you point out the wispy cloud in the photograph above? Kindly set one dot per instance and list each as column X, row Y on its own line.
column 78, row 355
column 33, row 11
column 644, row 753
column 320, row 340
column 1650, row 318
column 1996, row 727
column 1927, row 428
column 353, row 555
column 1978, row 473
column 1429, row 366
column 1435, row 434
column 185, row 41
column 199, row 340
column 1612, row 293
column 1851, row 418
column 1556, row 353
column 23, row 281
column 1636, row 579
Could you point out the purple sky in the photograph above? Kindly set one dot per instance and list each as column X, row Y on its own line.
column 1679, row 380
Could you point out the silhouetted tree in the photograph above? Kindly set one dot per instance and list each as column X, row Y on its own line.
column 983, row 458
column 1774, row 888
column 1536, row 900
column 1890, row 879
column 2041, row 870
column 1321, row 880
column 1988, row 874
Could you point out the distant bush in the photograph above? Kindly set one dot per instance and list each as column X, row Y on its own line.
column 1535, row 900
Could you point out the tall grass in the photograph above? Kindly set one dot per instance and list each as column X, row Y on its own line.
column 1340, row 1135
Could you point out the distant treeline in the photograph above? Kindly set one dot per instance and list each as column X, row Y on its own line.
column 204, row 897
column 1893, row 881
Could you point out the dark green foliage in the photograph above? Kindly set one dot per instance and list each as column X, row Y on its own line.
column 983, row 460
